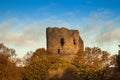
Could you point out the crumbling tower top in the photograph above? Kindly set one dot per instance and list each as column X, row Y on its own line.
column 63, row 41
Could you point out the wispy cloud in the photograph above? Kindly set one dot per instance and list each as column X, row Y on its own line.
column 46, row 10
column 31, row 36
column 110, row 35
column 111, row 31
column 69, row 14
column 101, row 30
column 97, row 29
column 9, row 35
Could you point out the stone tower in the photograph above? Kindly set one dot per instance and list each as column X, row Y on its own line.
column 63, row 41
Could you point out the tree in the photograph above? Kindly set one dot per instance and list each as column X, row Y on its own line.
column 7, row 51
column 41, row 52
column 92, row 64
column 8, row 68
column 27, row 58
column 40, row 68
column 118, row 62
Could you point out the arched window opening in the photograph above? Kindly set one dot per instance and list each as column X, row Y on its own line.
column 62, row 41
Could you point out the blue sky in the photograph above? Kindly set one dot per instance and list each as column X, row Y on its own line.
column 23, row 22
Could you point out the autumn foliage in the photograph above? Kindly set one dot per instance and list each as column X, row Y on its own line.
column 92, row 64
column 8, row 68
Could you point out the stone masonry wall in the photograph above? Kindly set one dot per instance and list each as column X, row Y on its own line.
column 63, row 41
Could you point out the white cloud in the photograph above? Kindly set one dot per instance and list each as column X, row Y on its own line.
column 6, row 26
column 30, row 37
column 101, row 30
column 110, row 36
column 97, row 30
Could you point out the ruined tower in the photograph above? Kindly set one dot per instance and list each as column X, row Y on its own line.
column 63, row 41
